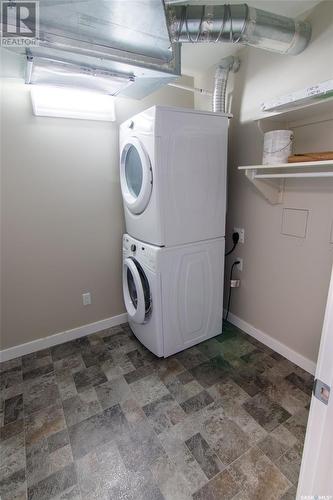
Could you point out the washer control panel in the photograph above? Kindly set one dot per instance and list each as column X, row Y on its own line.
column 144, row 254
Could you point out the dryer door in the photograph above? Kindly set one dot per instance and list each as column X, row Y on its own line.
column 136, row 291
column 135, row 176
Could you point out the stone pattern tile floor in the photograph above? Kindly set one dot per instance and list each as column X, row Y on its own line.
column 103, row 418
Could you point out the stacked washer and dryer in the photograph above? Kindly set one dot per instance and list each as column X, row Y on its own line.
column 173, row 179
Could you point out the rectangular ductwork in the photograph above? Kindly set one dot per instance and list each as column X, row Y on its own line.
column 132, row 48
column 113, row 46
column 137, row 28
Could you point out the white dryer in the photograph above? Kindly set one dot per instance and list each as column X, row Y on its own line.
column 173, row 165
column 173, row 295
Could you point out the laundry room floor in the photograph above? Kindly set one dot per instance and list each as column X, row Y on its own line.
column 103, row 418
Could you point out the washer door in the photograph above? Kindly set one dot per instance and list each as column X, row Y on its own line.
column 136, row 291
column 135, row 176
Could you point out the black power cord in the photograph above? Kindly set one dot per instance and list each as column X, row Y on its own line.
column 235, row 240
column 230, row 288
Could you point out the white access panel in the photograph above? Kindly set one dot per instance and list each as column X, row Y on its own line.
column 192, row 294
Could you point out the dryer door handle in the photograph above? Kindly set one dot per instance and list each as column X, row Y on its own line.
column 136, row 312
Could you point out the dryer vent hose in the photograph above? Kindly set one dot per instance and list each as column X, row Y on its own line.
column 220, row 82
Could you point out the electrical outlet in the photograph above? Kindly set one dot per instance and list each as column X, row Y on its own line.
column 241, row 232
column 239, row 266
column 86, row 299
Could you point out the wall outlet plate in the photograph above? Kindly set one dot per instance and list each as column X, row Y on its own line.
column 86, row 299
column 234, row 283
column 241, row 232
column 239, row 266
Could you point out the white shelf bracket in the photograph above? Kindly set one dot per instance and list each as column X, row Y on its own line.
column 267, row 125
column 269, row 180
column 271, row 191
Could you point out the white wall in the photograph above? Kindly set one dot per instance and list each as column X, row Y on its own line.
column 62, row 217
column 285, row 279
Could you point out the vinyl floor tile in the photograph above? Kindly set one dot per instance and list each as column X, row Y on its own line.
column 267, row 413
column 96, row 430
column 305, row 383
column 208, row 460
column 44, row 423
column 102, row 418
column 258, row 477
column 88, row 378
column 277, row 442
column 81, row 406
column 197, row 402
column 11, row 429
column 222, row 486
column 12, row 456
column 188, row 467
column 112, row 392
column 148, row 389
column 183, row 391
column 38, row 399
column 14, row 486
column 164, row 413
column 211, row 372
column 54, row 484
column 290, row 463
column 191, row 357
column 13, row 409
column 232, row 442
column 171, row 482
column 140, row 447
column 297, row 424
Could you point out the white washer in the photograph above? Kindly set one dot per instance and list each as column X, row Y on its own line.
column 173, row 295
column 173, row 165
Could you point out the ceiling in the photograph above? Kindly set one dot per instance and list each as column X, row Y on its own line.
column 198, row 58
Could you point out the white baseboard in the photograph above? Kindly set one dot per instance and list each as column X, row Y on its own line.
column 274, row 344
column 60, row 338
column 82, row 331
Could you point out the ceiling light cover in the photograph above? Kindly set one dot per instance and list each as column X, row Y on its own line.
column 45, row 71
column 72, row 103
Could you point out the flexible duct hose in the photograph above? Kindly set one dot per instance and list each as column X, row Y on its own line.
column 237, row 24
column 220, row 82
column 220, row 89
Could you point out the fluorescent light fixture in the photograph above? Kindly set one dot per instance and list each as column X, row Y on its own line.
column 48, row 71
column 300, row 98
column 72, row 103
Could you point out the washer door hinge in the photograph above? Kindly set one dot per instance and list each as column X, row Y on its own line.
column 321, row 391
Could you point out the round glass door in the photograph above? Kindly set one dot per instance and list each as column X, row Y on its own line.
column 135, row 176
column 136, row 291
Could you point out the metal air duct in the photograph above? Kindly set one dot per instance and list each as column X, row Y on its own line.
column 237, row 24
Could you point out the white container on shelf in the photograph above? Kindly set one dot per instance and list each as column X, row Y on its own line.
column 278, row 145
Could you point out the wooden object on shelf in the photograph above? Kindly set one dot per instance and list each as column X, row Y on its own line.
column 321, row 156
